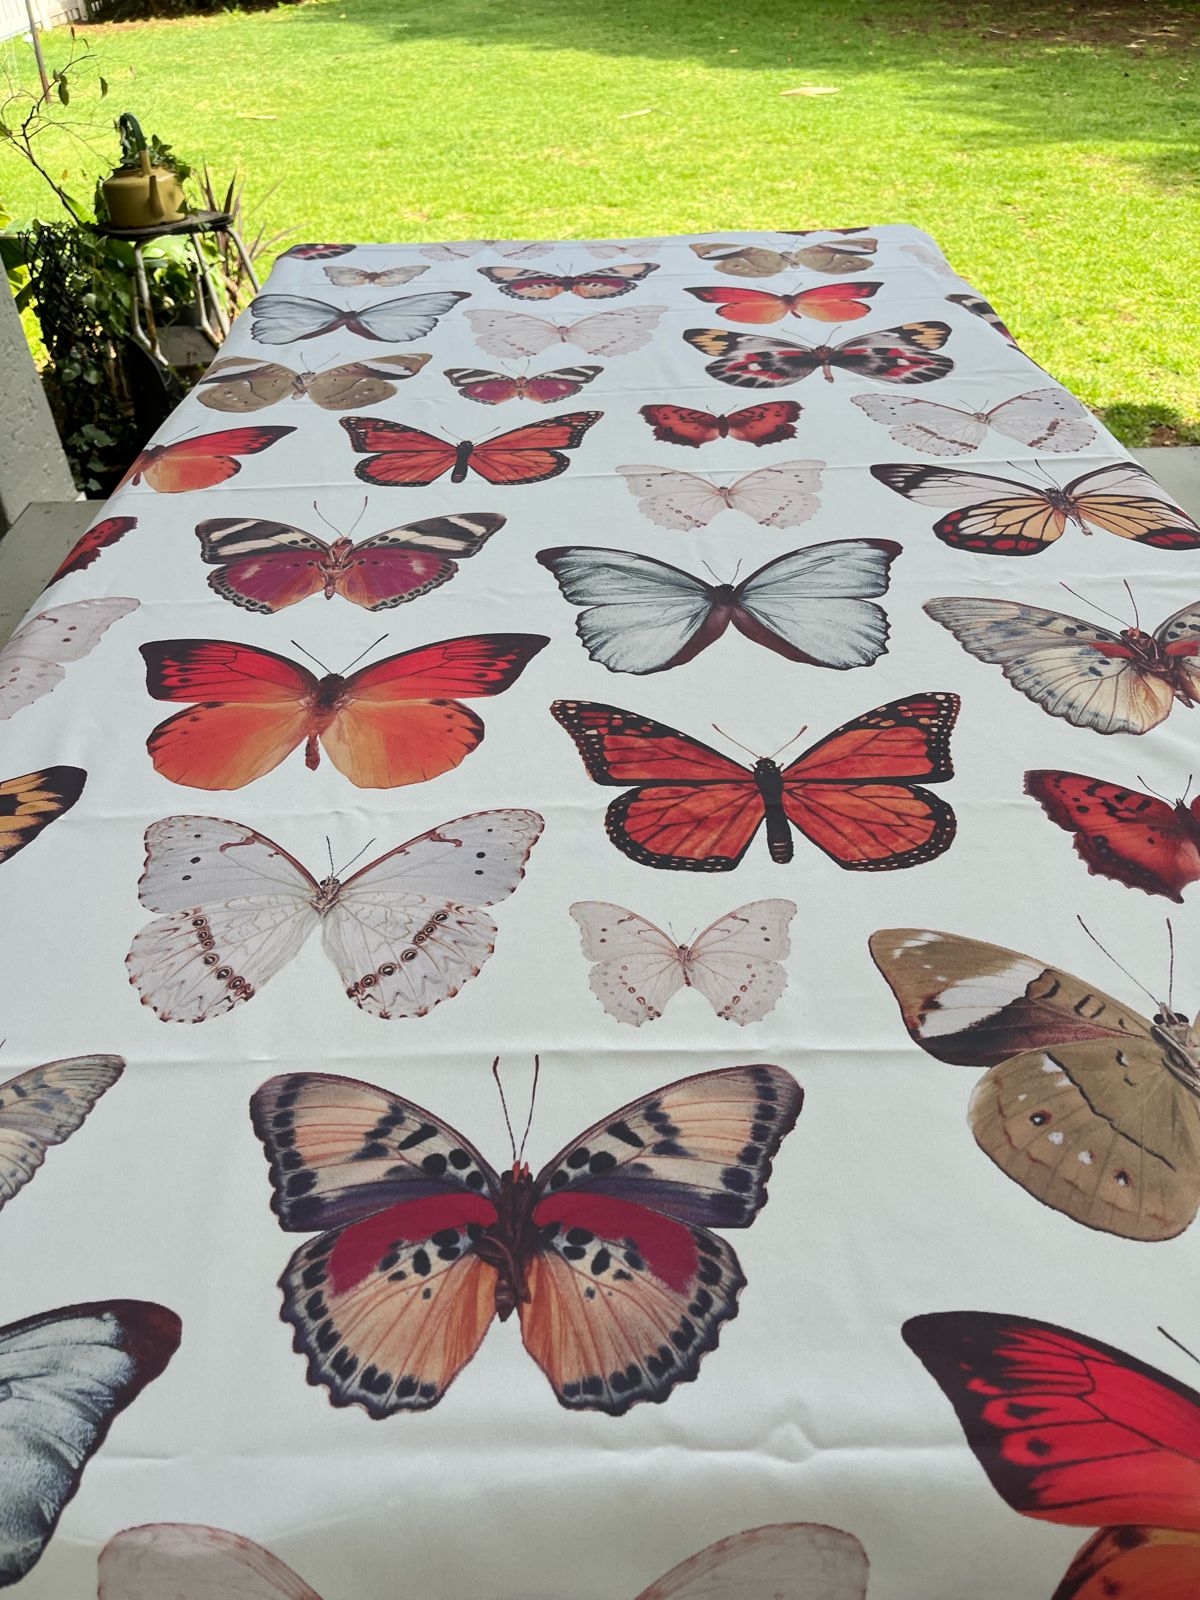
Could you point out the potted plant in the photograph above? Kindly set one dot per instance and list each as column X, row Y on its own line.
column 147, row 187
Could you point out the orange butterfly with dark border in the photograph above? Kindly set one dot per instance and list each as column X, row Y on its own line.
column 33, row 801
column 828, row 302
column 201, row 462
column 401, row 456
column 769, row 423
column 1141, row 840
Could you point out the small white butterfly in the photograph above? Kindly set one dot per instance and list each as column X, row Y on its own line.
column 607, row 333
column 610, row 249
column 34, row 660
column 405, row 932
column 781, row 496
column 43, row 1107
column 363, row 277
column 734, row 962
column 1043, row 419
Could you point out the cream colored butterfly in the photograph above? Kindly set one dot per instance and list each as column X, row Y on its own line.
column 363, row 277
column 34, row 660
column 782, row 496
column 735, row 962
column 1042, row 419
column 607, row 333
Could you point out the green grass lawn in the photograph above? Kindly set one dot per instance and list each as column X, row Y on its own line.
column 1051, row 149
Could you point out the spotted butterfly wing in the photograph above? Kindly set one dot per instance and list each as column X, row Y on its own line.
column 43, row 1107
column 33, row 801
column 1133, row 838
column 188, row 1561
column 902, row 355
column 769, row 423
column 755, row 261
column 34, row 660
column 787, row 1561
column 986, row 312
column 828, row 302
column 1134, row 1564
column 108, row 531
column 1042, row 419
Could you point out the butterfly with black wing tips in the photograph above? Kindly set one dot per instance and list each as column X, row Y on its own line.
column 65, row 1376
column 1093, row 677
column 405, row 932
column 814, row 606
column 401, row 456
column 854, row 794
column 1043, row 419
column 1007, row 517
column 543, row 388
column 318, row 252
column 266, row 566
column 33, row 801
column 243, row 383
column 43, row 1107
column 780, row 496
column 35, row 659
column 1137, row 839
column 888, row 355
column 108, row 531
column 286, row 318
column 1091, row 1108
column 600, row 283
column 606, row 1255
column 986, row 312
column 735, row 963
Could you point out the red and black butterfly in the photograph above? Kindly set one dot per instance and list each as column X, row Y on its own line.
column 405, row 457
column 769, row 423
column 1137, row 839
column 606, row 1255
column 98, row 537
column 318, row 252
column 854, row 794
column 200, row 462
column 889, row 355
column 600, row 283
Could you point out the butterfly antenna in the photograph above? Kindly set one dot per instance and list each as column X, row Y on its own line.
column 504, row 1108
column 537, row 1072
column 715, row 579
column 329, row 853
column 1179, row 1345
column 1122, row 622
column 1038, row 467
column 346, row 868
column 327, row 522
column 1187, row 791
column 1171, row 968
column 1137, row 621
column 1156, row 793
column 360, row 515
column 737, row 742
column 1135, row 981
column 311, row 657
column 790, row 742
column 361, row 654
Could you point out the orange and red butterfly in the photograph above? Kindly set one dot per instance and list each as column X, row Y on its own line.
column 201, row 462
column 1138, row 839
column 98, row 537
column 828, row 302
column 396, row 722
column 769, row 423
column 605, row 1255
column 854, row 794
column 400, row 456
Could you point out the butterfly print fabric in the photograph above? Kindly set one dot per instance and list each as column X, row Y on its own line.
column 710, row 707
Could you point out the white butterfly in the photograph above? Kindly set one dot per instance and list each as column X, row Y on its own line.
column 405, row 932
column 782, row 496
column 1043, row 419
column 607, row 333
column 464, row 249
column 285, row 318
column 384, row 278
column 734, row 963
column 786, row 1561
column 64, row 1376
column 610, row 249
column 187, row 1561
column 33, row 661
column 43, row 1107
column 643, row 615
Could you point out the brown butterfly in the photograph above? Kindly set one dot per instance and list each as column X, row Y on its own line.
column 242, row 383
column 754, row 261
column 1091, row 1108
column 33, row 801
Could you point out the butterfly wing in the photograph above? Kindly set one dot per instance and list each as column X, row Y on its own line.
column 769, row 423
column 407, row 931
column 1133, row 838
column 532, row 453
column 65, row 1376
column 993, row 516
column 814, row 605
column 33, row 801
column 1045, row 419
column 1134, row 1564
column 187, row 1561
column 736, row 962
column 615, row 333
column 752, row 360
column 98, row 537
column 680, row 425
column 33, row 661
column 408, row 457
column 623, row 1210
column 924, row 424
column 674, row 499
column 788, row 1561
column 318, row 252
column 361, row 383
column 404, row 563
column 1067, row 1429
column 1125, row 500
column 831, row 302
column 852, row 255
column 782, row 496
column 240, row 383
column 742, row 261
column 981, row 308
column 546, row 388
column 286, row 318
column 640, row 615
column 636, row 967
column 897, row 355
column 1072, row 669
column 392, row 1301
column 387, row 278
column 488, row 388
column 511, row 334
column 262, row 565
column 208, row 459
column 235, row 909
column 400, row 321
column 855, row 794
column 43, row 1107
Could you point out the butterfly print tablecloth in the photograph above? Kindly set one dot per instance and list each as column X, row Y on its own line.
column 729, row 685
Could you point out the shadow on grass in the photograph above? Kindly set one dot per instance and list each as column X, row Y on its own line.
column 1138, row 426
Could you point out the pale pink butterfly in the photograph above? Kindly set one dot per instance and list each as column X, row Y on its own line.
column 381, row 278
column 35, row 659
column 510, row 334
column 404, row 932
column 735, row 962
column 43, row 1107
column 783, row 1561
column 188, row 1561
column 780, row 496
column 1042, row 419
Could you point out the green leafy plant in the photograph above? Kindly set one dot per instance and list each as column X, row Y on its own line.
column 134, row 141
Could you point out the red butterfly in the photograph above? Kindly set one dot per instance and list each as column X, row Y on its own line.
column 1071, row 1430
column 408, row 457
column 1135, row 838
column 605, row 1255
column 199, row 463
column 853, row 795
column 318, row 252
column 396, row 722
column 602, row 283
column 97, row 538
column 544, row 388
column 828, row 302
column 769, row 423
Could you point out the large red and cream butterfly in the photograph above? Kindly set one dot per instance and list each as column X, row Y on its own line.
column 267, row 566
column 770, row 423
column 543, row 388
column 854, row 794
column 1073, row 1431
column 828, row 302
column 599, row 283
column 396, row 722
column 605, row 1255
column 201, row 462
column 1091, row 1108
column 1006, row 517
column 889, row 355
column 108, row 531
column 1137, row 839
column 400, row 456
column 33, row 801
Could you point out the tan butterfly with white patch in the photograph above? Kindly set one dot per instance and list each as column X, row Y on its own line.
column 1042, row 419
column 405, row 932
column 1093, row 1109
column 781, row 496
column 735, row 963
column 43, row 1107
column 35, row 659
column 243, row 383
column 606, row 333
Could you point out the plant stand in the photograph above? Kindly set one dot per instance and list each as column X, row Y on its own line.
column 214, row 323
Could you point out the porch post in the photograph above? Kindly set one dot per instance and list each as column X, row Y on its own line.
column 33, row 466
